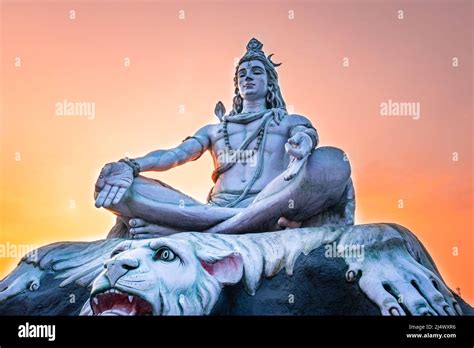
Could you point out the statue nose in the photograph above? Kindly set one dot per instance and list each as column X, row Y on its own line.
column 117, row 268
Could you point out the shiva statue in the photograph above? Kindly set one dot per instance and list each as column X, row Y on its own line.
column 269, row 173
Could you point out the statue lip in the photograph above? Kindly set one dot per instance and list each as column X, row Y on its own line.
column 249, row 85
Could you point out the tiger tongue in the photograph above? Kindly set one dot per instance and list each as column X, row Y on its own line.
column 121, row 310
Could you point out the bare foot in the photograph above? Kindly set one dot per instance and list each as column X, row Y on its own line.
column 285, row 223
column 143, row 229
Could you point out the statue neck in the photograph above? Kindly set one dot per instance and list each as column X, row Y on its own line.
column 254, row 105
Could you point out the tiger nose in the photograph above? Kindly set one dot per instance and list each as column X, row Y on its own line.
column 114, row 269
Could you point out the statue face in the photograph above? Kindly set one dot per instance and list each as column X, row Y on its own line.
column 252, row 79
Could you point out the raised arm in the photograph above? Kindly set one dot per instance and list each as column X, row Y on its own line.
column 116, row 177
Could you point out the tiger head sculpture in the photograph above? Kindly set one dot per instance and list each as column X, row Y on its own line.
column 163, row 276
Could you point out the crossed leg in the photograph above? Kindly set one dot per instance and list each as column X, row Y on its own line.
column 318, row 186
column 167, row 210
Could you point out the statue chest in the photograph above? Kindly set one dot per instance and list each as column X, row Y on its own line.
column 236, row 134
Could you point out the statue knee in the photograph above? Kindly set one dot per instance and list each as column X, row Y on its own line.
column 330, row 163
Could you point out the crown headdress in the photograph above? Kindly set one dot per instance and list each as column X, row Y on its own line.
column 254, row 48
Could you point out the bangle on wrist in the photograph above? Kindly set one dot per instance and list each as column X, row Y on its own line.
column 132, row 164
column 313, row 137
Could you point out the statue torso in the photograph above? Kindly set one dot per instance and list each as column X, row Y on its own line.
column 275, row 158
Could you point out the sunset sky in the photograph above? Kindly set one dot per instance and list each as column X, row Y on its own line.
column 155, row 70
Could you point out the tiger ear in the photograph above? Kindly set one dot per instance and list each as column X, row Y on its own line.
column 227, row 269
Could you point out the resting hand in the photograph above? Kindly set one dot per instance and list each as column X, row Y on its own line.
column 299, row 148
column 114, row 180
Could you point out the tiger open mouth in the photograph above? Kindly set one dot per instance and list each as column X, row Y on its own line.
column 115, row 302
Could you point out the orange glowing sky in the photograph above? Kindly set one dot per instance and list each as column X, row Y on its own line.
column 47, row 161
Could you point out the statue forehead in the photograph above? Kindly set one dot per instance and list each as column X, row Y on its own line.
column 251, row 64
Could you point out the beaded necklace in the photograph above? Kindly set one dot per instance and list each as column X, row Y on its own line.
column 247, row 155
